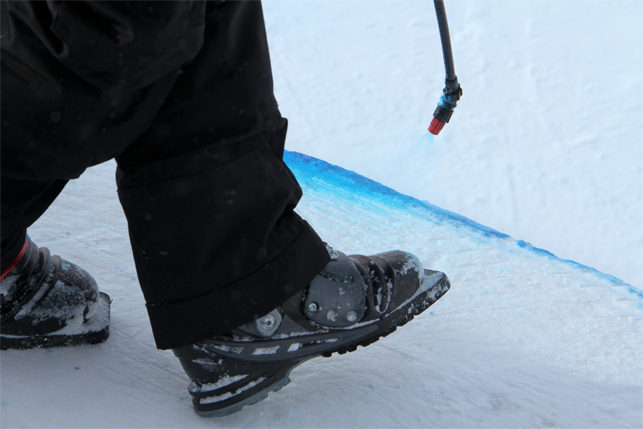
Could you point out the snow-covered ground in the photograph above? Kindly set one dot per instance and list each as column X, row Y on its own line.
column 546, row 143
column 546, row 146
column 522, row 339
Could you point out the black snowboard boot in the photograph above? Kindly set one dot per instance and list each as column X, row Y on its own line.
column 354, row 301
column 49, row 302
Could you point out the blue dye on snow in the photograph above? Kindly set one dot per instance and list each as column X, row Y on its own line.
column 77, row 368
column 581, row 267
column 311, row 172
column 423, row 148
column 636, row 292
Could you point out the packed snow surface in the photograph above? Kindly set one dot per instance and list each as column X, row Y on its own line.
column 522, row 339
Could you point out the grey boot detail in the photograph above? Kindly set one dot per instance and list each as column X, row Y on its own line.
column 336, row 297
column 264, row 326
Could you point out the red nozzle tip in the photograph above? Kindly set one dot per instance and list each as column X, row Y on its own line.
column 436, row 126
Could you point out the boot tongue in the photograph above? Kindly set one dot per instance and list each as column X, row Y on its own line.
column 336, row 297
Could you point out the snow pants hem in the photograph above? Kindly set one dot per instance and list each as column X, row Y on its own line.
column 201, row 317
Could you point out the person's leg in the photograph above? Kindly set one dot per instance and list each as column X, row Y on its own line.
column 55, row 122
column 238, row 285
column 63, row 113
column 60, row 115
column 208, row 199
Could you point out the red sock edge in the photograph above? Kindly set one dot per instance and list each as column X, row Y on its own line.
column 15, row 261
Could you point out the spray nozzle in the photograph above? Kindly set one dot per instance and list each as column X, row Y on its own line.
column 448, row 102
column 452, row 91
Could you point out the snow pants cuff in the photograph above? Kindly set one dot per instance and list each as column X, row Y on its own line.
column 215, row 239
column 201, row 317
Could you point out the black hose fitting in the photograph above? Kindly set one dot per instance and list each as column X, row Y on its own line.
column 452, row 91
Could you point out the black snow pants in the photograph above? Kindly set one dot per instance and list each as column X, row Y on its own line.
column 180, row 94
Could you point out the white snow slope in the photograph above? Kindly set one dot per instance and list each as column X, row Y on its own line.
column 546, row 143
column 523, row 339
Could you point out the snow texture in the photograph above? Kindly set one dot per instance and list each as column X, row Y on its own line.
column 265, row 350
column 224, row 381
column 523, row 338
column 227, row 395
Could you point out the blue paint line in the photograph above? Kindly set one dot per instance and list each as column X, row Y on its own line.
column 312, row 172
column 614, row 280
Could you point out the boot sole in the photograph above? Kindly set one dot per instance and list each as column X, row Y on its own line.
column 435, row 285
column 93, row 331
column 250, row 400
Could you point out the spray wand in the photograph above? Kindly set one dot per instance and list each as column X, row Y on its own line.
column 452, row 91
